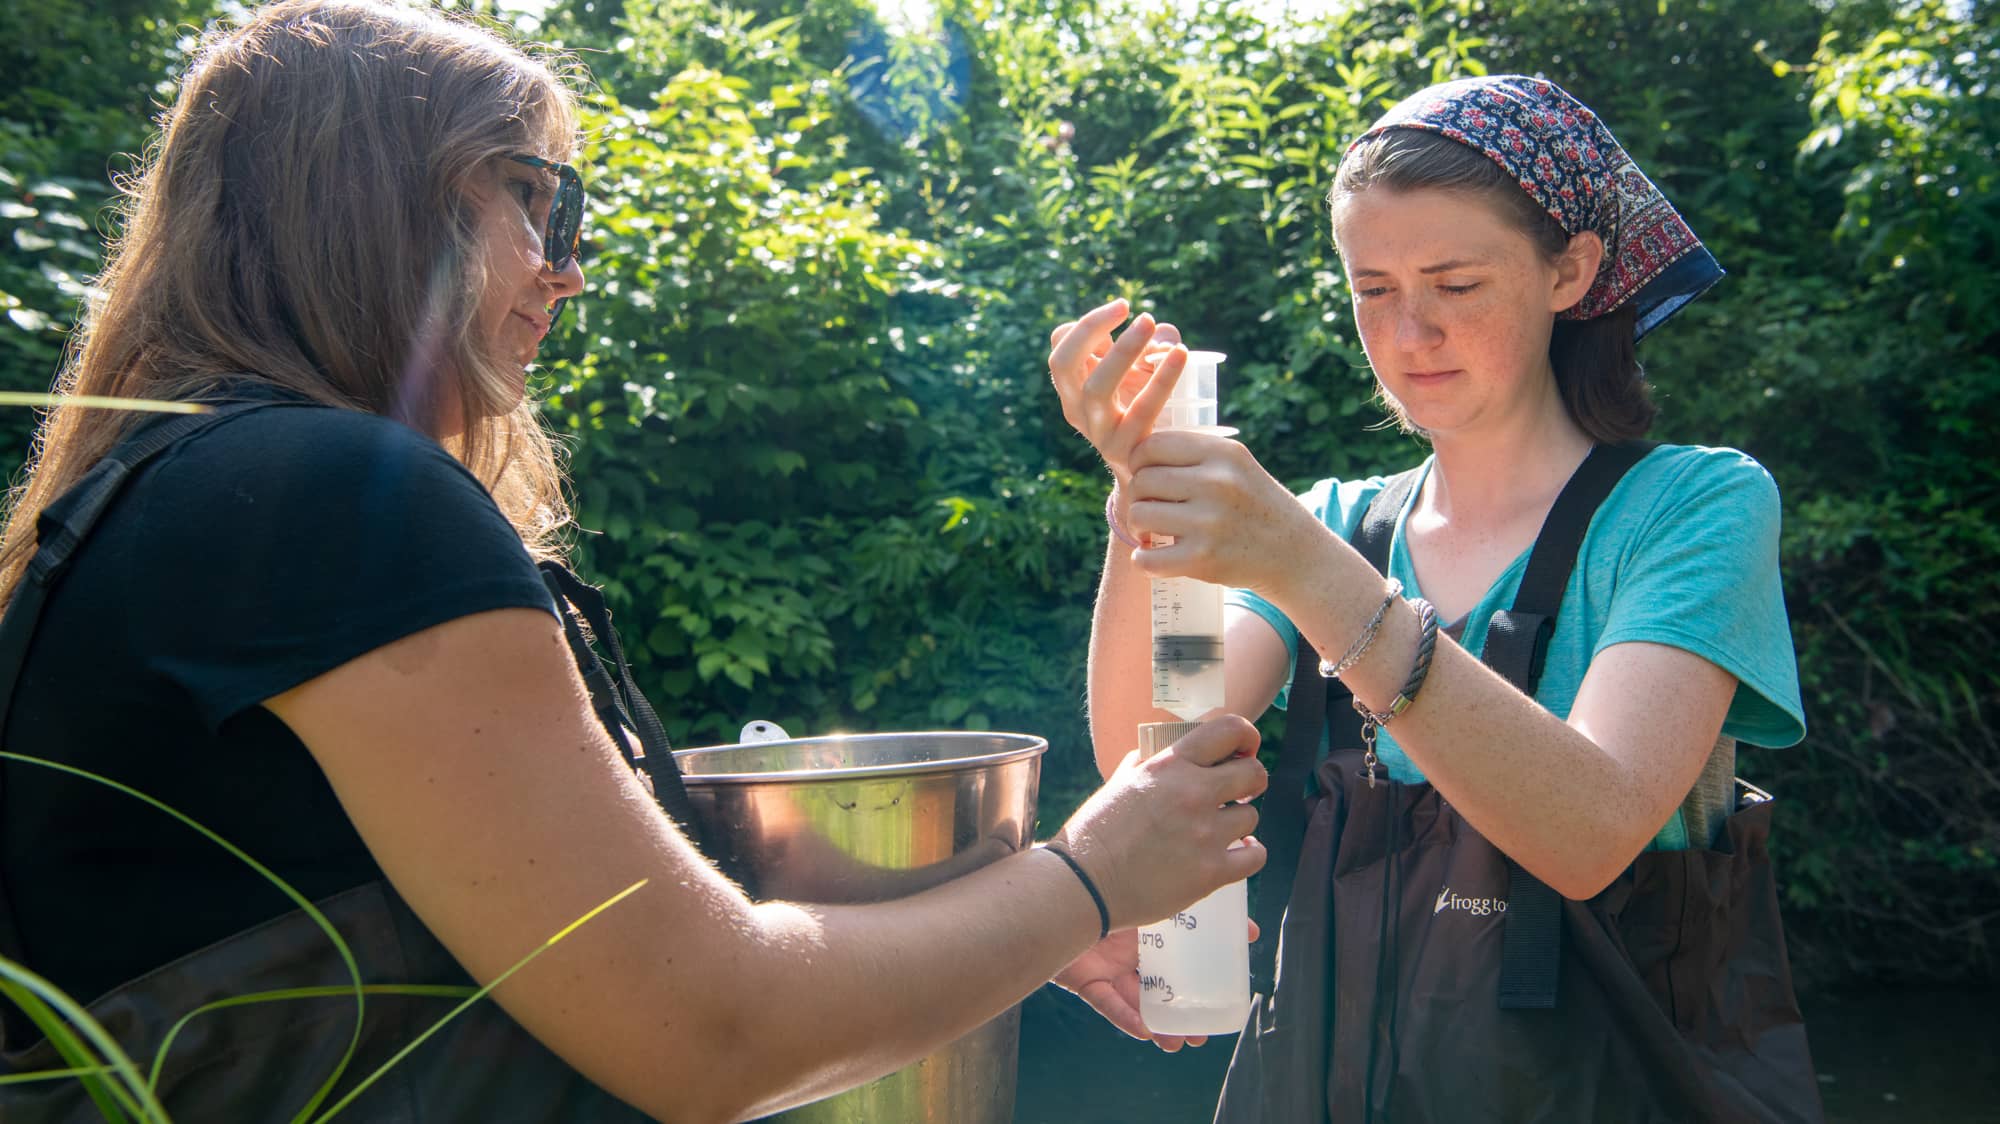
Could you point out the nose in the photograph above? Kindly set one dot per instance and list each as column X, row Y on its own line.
column 1416, row 330
column 565, row 282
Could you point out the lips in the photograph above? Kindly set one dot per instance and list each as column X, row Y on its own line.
column 540, row 325
column 1429, row 377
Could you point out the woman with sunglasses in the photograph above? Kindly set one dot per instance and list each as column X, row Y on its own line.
column 317, row 626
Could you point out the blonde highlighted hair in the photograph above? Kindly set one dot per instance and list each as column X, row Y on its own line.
column 304, row 219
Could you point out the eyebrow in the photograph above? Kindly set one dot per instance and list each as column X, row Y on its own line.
column 1441, row 267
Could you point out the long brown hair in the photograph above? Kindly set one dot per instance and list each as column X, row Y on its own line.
column 302, row 219
column 1597, row 369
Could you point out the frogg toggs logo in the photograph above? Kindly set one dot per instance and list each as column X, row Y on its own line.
column 1478, row 907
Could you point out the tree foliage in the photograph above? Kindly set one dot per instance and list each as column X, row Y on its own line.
column 79, row 96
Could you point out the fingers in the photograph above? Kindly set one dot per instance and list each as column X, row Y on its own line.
column 1126, row 763
column 1164, row 336
column 1244, row 861
column 1179, row 449
column 1152, row 398
column 1113, row 387
column 1105, row 1000
column 1101, row 379
column 1165, row 339
column 1125, row 350
column 1241, row 778
column 1169, row 484
column 1172, row 1043
column 1218, row 739
column 1238, row 821
column 1072, row 343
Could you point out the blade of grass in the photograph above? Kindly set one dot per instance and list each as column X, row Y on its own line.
column 56, row 1074
column 98, row 401
column 438, row 991
column 475, row 997
column 83, row 1042
column 69, row 1047
column 298, row 899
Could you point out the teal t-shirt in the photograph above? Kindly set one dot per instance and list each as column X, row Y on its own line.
column 1684, row 552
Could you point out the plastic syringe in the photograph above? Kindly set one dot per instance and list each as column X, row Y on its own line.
column 1187, row 613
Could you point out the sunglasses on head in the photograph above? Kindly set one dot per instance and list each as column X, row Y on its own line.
column 563, row 238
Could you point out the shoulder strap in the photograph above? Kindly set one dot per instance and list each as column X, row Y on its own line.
column 1517, row 642
column 1282, row 821
column 619, row 703
column 60, row 530
column 68, row 520
column 1517, row 639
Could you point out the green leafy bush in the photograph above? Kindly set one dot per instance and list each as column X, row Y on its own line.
column 76, row 104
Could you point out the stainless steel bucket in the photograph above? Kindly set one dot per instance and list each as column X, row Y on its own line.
column 866, row 818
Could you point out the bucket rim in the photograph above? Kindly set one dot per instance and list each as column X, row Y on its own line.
column 1027, row 746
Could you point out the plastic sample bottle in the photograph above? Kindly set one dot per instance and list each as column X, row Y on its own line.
column 1194, row 967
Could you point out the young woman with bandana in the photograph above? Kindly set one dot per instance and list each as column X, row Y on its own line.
column 1504, row 256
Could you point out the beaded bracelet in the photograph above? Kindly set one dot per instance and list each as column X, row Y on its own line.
column 1103, row 914
column 1111, row 518
column 1427, row 634
column 1358, row 649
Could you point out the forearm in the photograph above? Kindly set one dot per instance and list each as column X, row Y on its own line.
column 863, row 991
column 793, row 1002
column 1121, row 676
column 1570, row 812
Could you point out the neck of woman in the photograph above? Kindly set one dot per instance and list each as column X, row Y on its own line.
column 1497, row 474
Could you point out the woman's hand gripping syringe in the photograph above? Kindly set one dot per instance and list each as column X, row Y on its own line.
column 1231, row 523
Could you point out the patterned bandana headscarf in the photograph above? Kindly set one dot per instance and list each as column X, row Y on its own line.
column 1567, row 161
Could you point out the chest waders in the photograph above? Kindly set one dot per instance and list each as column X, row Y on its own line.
column 263, row 1061
column 1421, row 976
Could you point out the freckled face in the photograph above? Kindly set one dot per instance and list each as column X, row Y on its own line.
column 513, row 313
column 1454, row 303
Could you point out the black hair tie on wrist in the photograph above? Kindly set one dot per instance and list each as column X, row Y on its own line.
column 1103, row 914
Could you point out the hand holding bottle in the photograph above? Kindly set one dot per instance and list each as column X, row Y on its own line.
column 1161, row 832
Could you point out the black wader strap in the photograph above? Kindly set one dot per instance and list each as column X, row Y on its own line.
column 1282, row 821
column 619, row 703
column 68, row 520
column 1517, row 642
column 60, row 530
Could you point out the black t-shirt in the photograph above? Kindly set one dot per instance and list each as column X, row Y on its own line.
column 268, row 549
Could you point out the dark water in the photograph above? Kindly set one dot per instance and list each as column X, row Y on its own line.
column 1926, row 1057
column 1907, row 1055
